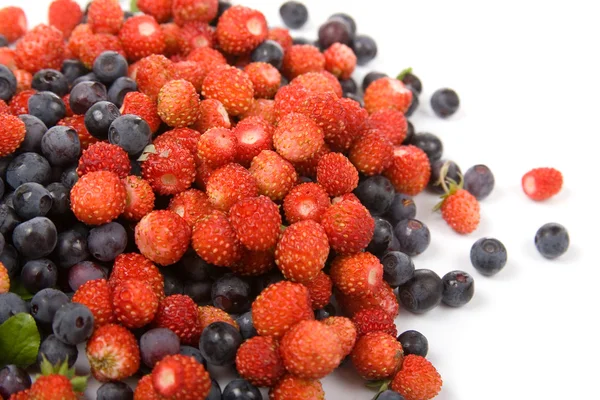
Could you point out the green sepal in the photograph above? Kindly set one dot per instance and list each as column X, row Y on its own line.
column 403, row 73
column 449, row 185
column 380, row 386
column 133, row 7
column 78, row 383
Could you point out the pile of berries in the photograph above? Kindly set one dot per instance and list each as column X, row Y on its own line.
column 185, row 186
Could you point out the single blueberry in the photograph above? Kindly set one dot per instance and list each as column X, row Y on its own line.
column 413, row 236
column 73, row 323
column 294, row 14
column 57, row 352
column 414, row 342
column 45, row 304
column 28, row 167
column 48, row 107
column 61, row 146
column 552, row 240
column 459, row 288
column 479, row 181
column 398, row 268
column 488, row 256
column 34, row 131
column 422, row 292
column 219, row 343
column 35, row 238
column 50, row 80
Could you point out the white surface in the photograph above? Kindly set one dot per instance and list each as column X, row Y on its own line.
column 527, row 77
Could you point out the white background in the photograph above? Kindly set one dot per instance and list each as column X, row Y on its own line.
column 527, row 75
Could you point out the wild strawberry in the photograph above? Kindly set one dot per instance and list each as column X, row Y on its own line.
column 340, row 60
column 230, row 184
column 392, row 123
column 302, row 251
column 542, row 183
column 79, row 38
column 159, row 9
column 274, row 175
column 377, row 355
column 279, row 307
column 410, row 170
column 170, row 169
column 7, row 58
column 417, row 379
column 297, row 137
column 140, row 198
column 105, row 16
column 384, row 298
column 305, row 201
column 259, row 362
column 24, row 80
column 22, row 395
column 322, row 81
column 191, row 71
column 173, row 39
column 302, row 58
column 372, row 153
column 162, row 236
column 98, row 197
column 139, row 104
column 4, row 108
column 346, row 197
column 308, row 167
column 19, row 102
column 42, row 47
column 327, row 110
column 281, row 36
column 253, row 134
column 195, row 35
column 287, row 100
column 185, row 11
column 212, row 114
column 12, row 131
column 98, row 44
column 145, row 390
column 265, row 79
column 178, row 103
column 64, row 15
column 460, row 209
column 214, row 240
column 137, row 267
column 141, row 36
column 387, row 93
column 113, row 353
column 77, row 122
column 104, row 156
column 358, row 274
column 217, row 147
column 374, row 319
column 208, row 59
column 179, row 313
column 345, row 330
column 185, row 137
column 4, row 279
column 336, row 174
column 241, row 29
column 13, row 23
column 256, row 222
column 180, row 377
column 291, row 387
column 191, row 205
column 320, row 288
column 135, row 303
column 254, row 263
column 355, row 118
column 56, row 382
column 209, row 314
column 152, row 73
column 232, row 87
column 97, row 296
column 261, row 108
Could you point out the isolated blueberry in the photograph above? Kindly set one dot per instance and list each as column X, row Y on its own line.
column 45, row 304
column 120, row 88
column 32, row 200
column 219, row 343
column 48, row 107
column 10, row 305
column 8, row 83
column 398, row 268
column 39, row 274
column 50, row 80
column 57, row 352
column 99, row 117
column 85, row 94
column 414, row 342
column 73, row 323
column 479, row 181
column 488, row 256
column 109, row 66
column 294, row 14
column 413, row 236
column 28, row 167
column 459, row 288
column 444, row 102
column 114, row 391
column 269, row 52
column 35, row 238
column 422, row 292
column 34, row 131
column 552, row 240
column 131, row 133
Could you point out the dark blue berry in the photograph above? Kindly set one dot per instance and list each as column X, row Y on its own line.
column 99, row 117
column 8, row 219
column 301, row 40
column 346, row 18
column 34, row 131
column 422, row 292
column 109, row 66
column 382, row 236
column 61, row 146
column 50, row 80
column 48, row 107
column 269, row 52
column 1, row 188
column 10, row 305
column 61, row 203
column 2, row 243
column 552, row 240
column 57, row 352
column 246, row 325
column 131, row 133
column 449, row 169
column 335, row 30
column 479, row 181
column 12, row 380
column 325, row 312
column 45, row 304
column 28, row 167
column 114, row 391
column 459, row 288
column 398, row 268
column 35, row 238
column 71, row 248
column 10, row 259
column 69, row 177
column 219, row 343
column 3, row 43
column 85, row 94
column 200, row 292
column 39, row 274
column 413, row 236
column 365, row 49
column 73, row 323
column 8, row 199
column 32, row 200
column 156, row 344
column 232, row 294
column 376, row 193
column 107, row 241
column 294, row 14
column 89, row 77
column 402, row 208
column 215, row 391
column 488, row 256
column 8, row 83
column 194, row 268
column 83, row 272
column 444, row 102
column 349, row 86
column 413, row 82
column 119, row 88
column 73, row 69
column 193, row 352
column 430, row 144
column 356, row 98
column 410, row 132
column 414, row 104
column 172, row 285
column 4, row 162
column 241, row 389
column 414, row 342
column 390, row 395
column 370, row 78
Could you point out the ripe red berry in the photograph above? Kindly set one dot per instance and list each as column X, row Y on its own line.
column 152, row 73
column 212, row 114
column 139, row 104
column 254, row 263
column 19, row 103
column 322, row 81
column 387, row 93
column 98, row 197
column 320, row 289
column 377, row 355
column 217, row 147
column 231, row 86
column 209, row 314
column 542, row 183
column 13, row 23
column 180, row 377
column 79, row 37
column 262, row 108
column 340, row 60
column 256, row 222
column 191, row 205
column 105, row 16
column 77, row 122
column 258, row 361
column 159, row 9
column 113, row 353
column 24, row 80
column 186, row 137
column 172, row 34
column 178, row 103
column 384, row 298
column 336, row 174
column 7, row 58
column 141, row 36
column 253, row 134
column 104, row 156
column 355, row 119
column 97, row 44
column 374, row 319
column 135, row 303
column 179, row 313
column 214, row 240
column 191, row 71
column 230, row 184
column 4, row 279
column 241, row 29
column 305, row 201
column 349, row 226
column 274, row 175
column 297, row 137
column 371, row 153
column 390, row 122
column 140, row 198
column 358, row 274
column 64, row 15
column 417, row 379
column 194, row 10
column 145, row 390
column 291, row 387
column 410, row 170
column 281, row 36
column 137, row 267
column 265, row 78
column 12, row 132
column 302, row 58
column 460, row 209
column 170, row 169
column 97, row 296
column 162, row 236
column 308, row 167
column 345, row 330
column 42, row 47
column 195, row 35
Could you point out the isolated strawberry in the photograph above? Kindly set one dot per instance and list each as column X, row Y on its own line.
column 103, row 156
column 152, row 73
column 231, row 86
column 57, row 382
column 135, row 303
column 258, row 361
column 345, row 330
column 178, row 103
column 217, row 147
column 297, row 137
column 349, row 227
column 214, row 240
column 542, row 183
column 274, row 175
column 254, row 263
column 209, row 314
column 113, row 353
column 320, row 289
column 371, row 153
column 169, row 168
column 291, row 387
column 42, row 47
column 97, row 296
column 13, row 23
column 159, row 9
column 162, row 236
column 77, row 123
column 305, row 201
column 336, row 174
column 140, row 198
column 212, row 114
column 340, row 60
column 377, row 355
column 357, row 274
column 141, row 36
column 98, row 197
column 191, row 205
column 302, row 58
column 137, row 267
column 241, row 29
column 105, row 16
column 139, row 104
column 64, row 15
column 374, row 319
column 230, row 184
column 179, row 313
column 265, row 79
column 256, row 222
column 417, row 379
column 410, row 170
column 384, row 298
column 145, row 389
column 12, row 131
column 322, row 81
column 194, row 10
column 261, row 108
column 460, row 209
column 4, row 279
column 180, row 377
column 390, row 122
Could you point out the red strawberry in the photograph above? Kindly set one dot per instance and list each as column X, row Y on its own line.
column 460, row 209
column 302, row 251
column 4, row 108
column 384, row 298
column 137, row 267
column 231, row 86
column 152, row 73
column 279, row 307
column 387, row 93
column 253, row 134
column 274, row 175
column 97, row 296
column 162, row 236
column 141, row 36
column 191, row 205
column 7, row 58
column 265, row 78
column 322, row 81
column 217, row 147
column 256, row 222
column 345, row 330
column 139, row 104
column 12, row 132
column 374, row 319
column 291, row 387
column 355, row 119
column 191, row 71
column 212, row 114
column 98, row 197
column 105, row 16
column 305, row 201
column 79, row 38
column 390, row 122
column 64, row 15
column 180, row 377
column 410, row 170
column 170, row 169
column 4, row 279
column 172, row 34
column 195, row 35
column 159, row 9
column 320, row 288
column 56, row 382
column 104, row 156
column 287, row 100
column 145, row 390
column 214, row 240
column 336, row 174
column 24, row 80
column 135, row 303
column 417, row 379
column 42, row 47
column 178, row 103
column 13, row 23
column 311, row 350
column 185, row 137
column 542, row 183
column 297, row 137
column 281, row 36
column 241, row 29
column 302, row 58
column 254, row 263
column 261, row 108
column 77, row 122
column 377, row 355
column 346, row 197
column 208, row 59
column 209, row 314
column 194, row 10
column 140, row 198
column 113, row 353
column 358, row 274
column 308, row 167
column 230, row 184
column 340, row 60
column 19, row 102
column 258, row 361
column 372, row 153
column 98, row 44
column 22, row 395
column 179, row 313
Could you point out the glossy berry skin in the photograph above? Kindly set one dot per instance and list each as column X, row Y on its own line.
column 488, row 256
column 444, row 102
column 451, row 172
column 32, row 200
column 552, row 240
column 459, row 288
column 119, row 88
column 39, row 274
column 430, row 144
column 35, row 238
column 376, row 193
column 246, row 325
column 28, row 167
column 73, row 323
column 109, row 66
column 61, row 146
column 114, row 391
column 56, row 352
column 365, row 49
column 215, row 388
column 390, row 395
column 348, row 86
column 73, row 69
column 413, row 82
column 99, row 117
column 71, row 248
column 107, row 241
column 398, row 268
column 269, row 52
column 50, row 80
column 336, row 30
column 8, row 85
column 241, row 389
column 12, row 380
column 131, row 133
column 11, row 304
column 413, row 236
column 156, row 344
column 294, row 14
column 479, row 181
column 402, row 208
column 85, row 94
column 219, row 343
column 47, row 106
column 414, row 342
column 382, row 237
column 231, row 294
column 45, row 304
column 422, row 292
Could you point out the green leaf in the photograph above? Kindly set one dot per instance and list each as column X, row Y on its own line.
column 17, row 288
column 19, row 341
column 133, row 6
column 404, row 72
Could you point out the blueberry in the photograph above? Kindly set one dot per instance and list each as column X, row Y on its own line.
column 1, row 188
column 552, row 240
column 61, row 203
column 301, row 40
column 219, row 343
column 28, row 167
column 444, row 102
column 73, row 69
column 39, row 274
column 8, row 219
column 294, row 14
column 32, row 200
column 3, row 43
column 414, row 342
column 35, row 238
column 73, row 323
column 12, row 380
column 215, row 391
column 459, row 288
column 382, row 236
column 446, row 168
column 410, row 132
column 107, row 241
column 200, row 292
column 413, row 82
column 402, row 208
column 488, row 256
column 8, row 83
column 50, row 80
column 349, row 86
column 172, row 284
column 370, row 78
column 45, row 304
column 109, row 66
column 241, row 389
column 34, row 130
column 376, row 193
column 414, row 104
column 270, row 52
column 398, row 268
column 71, row 248
column 365, row 49
column 232, row 294
column 193, row 352
column 69, row 177
column 422, row 292
column 413, row 235
column 119, row 88
column 89, row 77
column 356, row 98
column 114, row 391
column 390, row 395
column 479, row 181
column 347, row 19
column 61, row 146
column 130, row 132
column 430, row 144
column 194, row 268
column 10, row 305
column 57, row 352
column 99, row 117
column 156, row 344
column 83, row 272
column 85, row 94
column 48, row 107
column 4, row 162
column 246, row 325
column 10, row 259
column 325, row 312
column 2, row 243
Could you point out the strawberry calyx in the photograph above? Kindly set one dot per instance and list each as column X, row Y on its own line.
column 78, row 383
column 449, row 185
column 380, row 386
column 404, row 72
